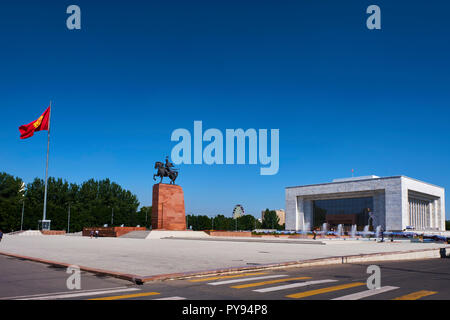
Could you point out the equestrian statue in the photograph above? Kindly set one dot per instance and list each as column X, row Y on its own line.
column 166, row 170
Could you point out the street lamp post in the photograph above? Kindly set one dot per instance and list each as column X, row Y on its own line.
column 112, row 216
column 23, row 209
column 68, row 220
column 212, row 220
column 146, row 218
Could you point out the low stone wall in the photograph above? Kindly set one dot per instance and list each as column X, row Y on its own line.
column 276, row 236
column 229, row 233
column 111, row 231
column 53, row 232
column 249, row 234
column 283, row 236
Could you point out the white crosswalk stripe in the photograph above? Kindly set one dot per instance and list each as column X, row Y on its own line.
column 79, row 294
column 366, row 293
column 171, row 298
column 56, row 293
column 246, row 279
column 294, row 285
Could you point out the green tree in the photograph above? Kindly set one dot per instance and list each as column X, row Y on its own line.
column 247, row 222
column 203, row 222
column 223, row 223
column 143, row 217
column 11, row 195
column 447, row 225
column 271, row 220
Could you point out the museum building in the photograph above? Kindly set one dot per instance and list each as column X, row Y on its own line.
column 394, row 203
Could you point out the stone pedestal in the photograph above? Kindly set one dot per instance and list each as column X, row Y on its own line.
column 168, row 207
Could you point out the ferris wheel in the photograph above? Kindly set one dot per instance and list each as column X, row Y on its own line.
column 238, row 211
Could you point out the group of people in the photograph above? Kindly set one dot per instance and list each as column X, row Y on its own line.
column 94, row 234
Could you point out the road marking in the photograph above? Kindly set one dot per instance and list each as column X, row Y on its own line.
column 127, row 296
column 171, row 298
column 246, row 279
column 256, row 284
column 294, row 285
column 366, row 293
column 416, row 295
column 56, row 293
column 325, row 290
column 228, row 277
column 80, row 294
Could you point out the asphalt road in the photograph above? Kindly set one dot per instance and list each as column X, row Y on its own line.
column 411, row 280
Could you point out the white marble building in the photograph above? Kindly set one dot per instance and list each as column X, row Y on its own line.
column 394, row 203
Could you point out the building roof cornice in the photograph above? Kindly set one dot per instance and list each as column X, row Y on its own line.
column 363, row 180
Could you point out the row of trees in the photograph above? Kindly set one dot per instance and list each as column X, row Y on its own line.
column 246, row 222
column 220, row 222
column 92, row 203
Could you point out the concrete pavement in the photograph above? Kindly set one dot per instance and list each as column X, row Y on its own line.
column 166, row 256
column 26, row 278
column 410, row 280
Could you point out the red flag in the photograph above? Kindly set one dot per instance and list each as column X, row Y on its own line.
column 27, row 130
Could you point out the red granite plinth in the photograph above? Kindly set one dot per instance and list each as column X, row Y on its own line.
column 168, row 207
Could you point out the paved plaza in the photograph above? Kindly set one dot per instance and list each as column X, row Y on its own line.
column 149, row 257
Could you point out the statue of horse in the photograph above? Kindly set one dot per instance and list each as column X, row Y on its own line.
column 163, row 171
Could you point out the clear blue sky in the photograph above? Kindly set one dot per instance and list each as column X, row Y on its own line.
column 342, row 96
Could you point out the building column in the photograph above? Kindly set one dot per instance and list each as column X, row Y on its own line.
column 433, row 213
column 308, row 213
column 379, row 209
column 396, row 204
column 300, row 214
column 291, row 210
column 441, row 214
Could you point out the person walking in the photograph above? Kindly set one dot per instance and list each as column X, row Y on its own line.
column 1, row 235
column 314, row 234
column 96, row 234
column 92, row 233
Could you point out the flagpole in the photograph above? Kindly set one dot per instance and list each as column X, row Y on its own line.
column 46, row 166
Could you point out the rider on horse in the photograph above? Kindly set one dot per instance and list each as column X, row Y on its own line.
column 168, row 165
column 166, row 170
